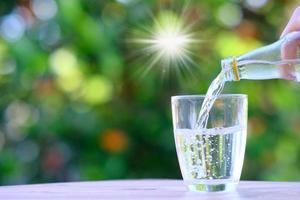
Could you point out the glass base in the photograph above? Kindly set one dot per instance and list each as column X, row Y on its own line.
column 226, row 187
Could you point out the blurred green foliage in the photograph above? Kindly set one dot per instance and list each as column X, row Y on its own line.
column 75, row 106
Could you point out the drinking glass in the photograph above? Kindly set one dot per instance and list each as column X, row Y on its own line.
column 210, row 159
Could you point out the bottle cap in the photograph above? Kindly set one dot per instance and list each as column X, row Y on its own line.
column 230, row 69
column 235, row 69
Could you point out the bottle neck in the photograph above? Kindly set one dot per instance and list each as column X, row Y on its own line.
column 230, row 69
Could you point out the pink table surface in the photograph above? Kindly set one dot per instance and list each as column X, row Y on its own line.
column 147, row 189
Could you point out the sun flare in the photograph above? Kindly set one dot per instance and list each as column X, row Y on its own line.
column 168, row 41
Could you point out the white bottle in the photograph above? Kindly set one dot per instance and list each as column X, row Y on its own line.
column 280, row 60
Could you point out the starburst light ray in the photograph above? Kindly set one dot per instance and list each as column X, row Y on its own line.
column 167, row 42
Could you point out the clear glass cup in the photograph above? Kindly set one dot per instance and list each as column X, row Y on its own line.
column 210, row 159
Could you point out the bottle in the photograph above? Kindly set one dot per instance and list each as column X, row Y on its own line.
column 280, row 60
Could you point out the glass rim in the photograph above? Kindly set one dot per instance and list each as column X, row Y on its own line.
column 177, row 97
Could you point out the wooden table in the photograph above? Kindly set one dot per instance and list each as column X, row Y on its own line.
column 147, row 189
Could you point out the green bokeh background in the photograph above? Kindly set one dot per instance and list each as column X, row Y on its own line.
column 76, row 104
